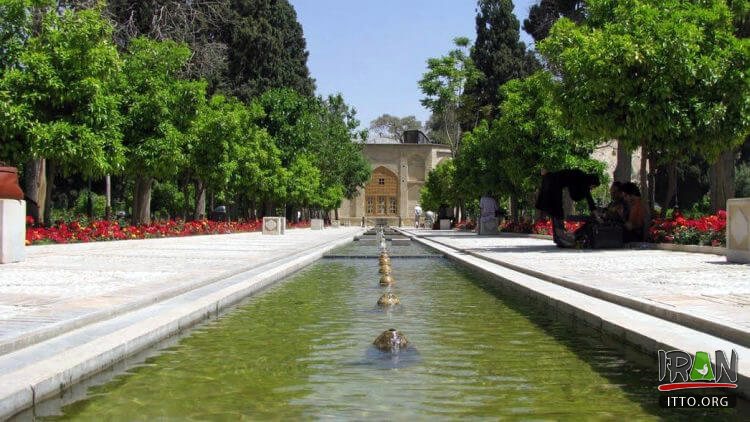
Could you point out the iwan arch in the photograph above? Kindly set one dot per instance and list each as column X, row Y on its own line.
column 399, row 170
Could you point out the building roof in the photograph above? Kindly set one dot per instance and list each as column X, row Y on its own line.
column 382, row 140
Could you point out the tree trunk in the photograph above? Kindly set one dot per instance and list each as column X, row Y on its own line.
column 721, row 178
column 186, row 205
column 671, row 186
column 336, row 213
column 142, row 200
column 645, row 191
column 50, row 186
column 108, row 193
column 514, row 211
column 624, row 169
column 35, row 188
column 200, row 201
column 289, row 212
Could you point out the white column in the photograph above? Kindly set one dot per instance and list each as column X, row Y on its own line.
column 12, row 231
column 738, row 230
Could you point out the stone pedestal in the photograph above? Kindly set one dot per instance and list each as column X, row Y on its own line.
column 738, row 230
column 274, row 225
column 445, row 224
column 12, row 231
column 316, row 224
column 335, row 224
column 488, row 226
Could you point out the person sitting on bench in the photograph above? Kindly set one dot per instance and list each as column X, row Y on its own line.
column 550, row 199
column 615, row 210
column 634, row 218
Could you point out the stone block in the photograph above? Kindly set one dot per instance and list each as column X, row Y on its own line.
column 274, row 225
column 316, row 224
column 738, row 230
column 488, row 226
column 401, row 242
column 12, row 231
column 445, row 224
column 335, row 224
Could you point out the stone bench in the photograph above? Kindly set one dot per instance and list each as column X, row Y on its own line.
column 316, row 224
column 274, row 225
column 738, row 230
column 12, row 231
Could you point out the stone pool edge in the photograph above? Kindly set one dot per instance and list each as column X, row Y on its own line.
column 645, row 332
column 31, row 384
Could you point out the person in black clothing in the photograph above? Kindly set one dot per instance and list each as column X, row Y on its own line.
column 550, row 199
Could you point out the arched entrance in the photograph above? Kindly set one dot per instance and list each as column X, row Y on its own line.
column 381, row 194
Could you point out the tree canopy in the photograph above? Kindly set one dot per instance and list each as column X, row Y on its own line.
column 498, row 54
column 507, row 155
column 669, row 74
column 59, row 92
column 443, row 86
column 267, row 49
column 390, row 126
column 545, row 13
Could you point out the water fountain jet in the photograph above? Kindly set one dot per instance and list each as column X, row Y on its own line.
column 391, row 341
column 387, row 280
column 388, row 299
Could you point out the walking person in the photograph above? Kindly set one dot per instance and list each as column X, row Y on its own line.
column 417, row 215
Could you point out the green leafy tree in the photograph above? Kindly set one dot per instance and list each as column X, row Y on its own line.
column 666, row 75
column 59, row 93
column 721, row 174
column 160, row 107
column 499, row 55
column 440, row 187
column 305, row 184
column 260, row 177
column 61, row 96
column 322, row 133
column 267, row 49
column 218, row 129
column 341, row 158
column 443, row 86
column 506, row 157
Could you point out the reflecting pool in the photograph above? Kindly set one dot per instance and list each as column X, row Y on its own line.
column 303, row 350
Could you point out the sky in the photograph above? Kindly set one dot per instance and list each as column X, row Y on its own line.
column 374, row 52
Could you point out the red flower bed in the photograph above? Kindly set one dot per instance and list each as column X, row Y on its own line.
column 302, row 224
column 74, row 232
column 708, row 230
column 539, row 227
column 465, row 225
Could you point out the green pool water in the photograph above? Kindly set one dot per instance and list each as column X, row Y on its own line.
column 302, row 350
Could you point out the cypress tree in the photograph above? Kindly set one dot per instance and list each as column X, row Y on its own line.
column 267, row 49
column 499, row 54
column 545, row 13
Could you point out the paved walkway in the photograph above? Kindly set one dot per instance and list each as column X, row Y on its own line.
column 698, row 290
column 62, row 287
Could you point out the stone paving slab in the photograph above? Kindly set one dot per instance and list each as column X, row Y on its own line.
column 58, row 285
column 701, row 285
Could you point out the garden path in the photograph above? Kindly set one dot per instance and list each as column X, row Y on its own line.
column 62, row 287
